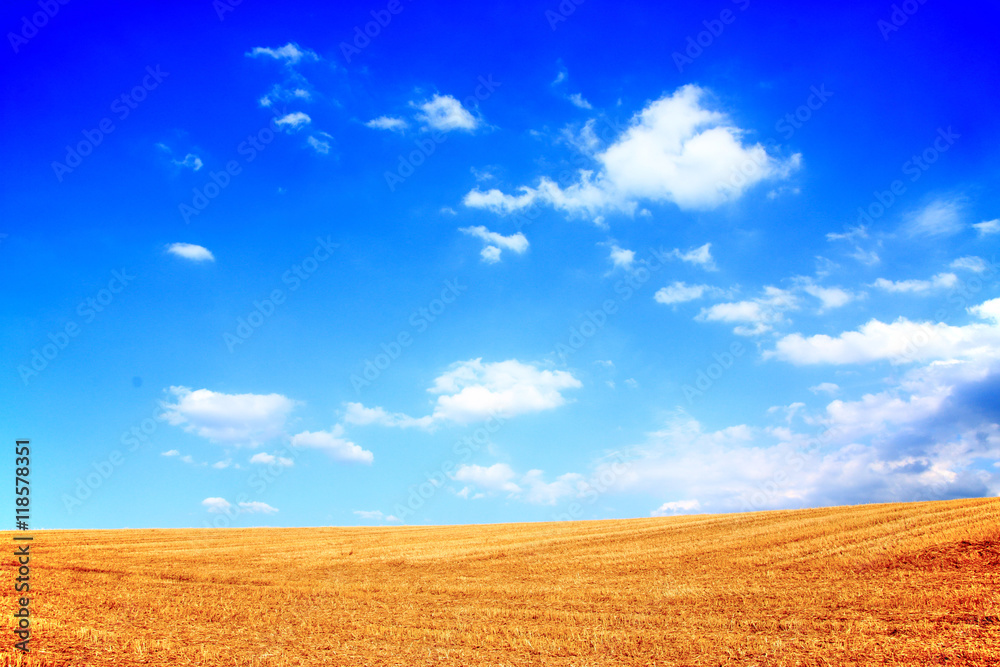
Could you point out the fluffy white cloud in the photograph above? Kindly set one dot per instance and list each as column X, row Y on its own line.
column 191, row 161
column 530, row 487
column 755, row 316
column 971, row 263
column 171, row 452
column 293, row 121
column 676, row 507
column 622, row 258
column 445, row 113
column 473, row 391
column 675, row 150
column 333, row 443
column 577, row 100
column 825, row 388
column 987, row 227
column 320, row 142
column 290, row 53
column 387, row 123
column 898, row 342
column 267, row 459
column 939, row 281
column 942, row 217
column 236, row 419
column 195, row 253
column 256, row 507
column 829, row 297
column 497, row 477
column 700, row 256
column 495, row 243
column 216, row 505
column 679, row 292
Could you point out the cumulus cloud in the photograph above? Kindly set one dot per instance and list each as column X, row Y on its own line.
column 941, row 217
column 622, row 258
column 829, row 297
column 333, row 443
column 901, row 341
column 676, row 507
column 387, row 123
column 970, row 263
column 700, row 256
column 578, row 101
column 290, row 53
column 216, row 505
column 472, row 391
column 675, row 150
column 256, row 507
column 445, row 113
column 755, row 316
column 939, row 281
column 294, row 120
column 680, row 292
column 987, row 227
column 267, row 459
column 171, row 452
column 825, row 388
column 530, row 487
column 497, row 477
column 233, row 419
column 496, row 243
column 195, row 253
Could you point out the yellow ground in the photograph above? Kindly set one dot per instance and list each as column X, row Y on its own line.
column 874, row 585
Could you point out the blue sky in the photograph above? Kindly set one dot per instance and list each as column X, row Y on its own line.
column 497, row 261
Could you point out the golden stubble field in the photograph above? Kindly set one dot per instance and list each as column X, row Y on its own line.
column 871, row 585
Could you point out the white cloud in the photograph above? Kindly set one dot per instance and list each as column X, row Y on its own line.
column 987, row 227
column 942, row 217
column 333, row 443
column 825, row 388
column 970, row 263
column 256, row 507
column 290, row 53
column 675, row 150
column 473, row 391
column 577, row 100
column 679, row 292
column 830, row 297
column 191, row 161
column 359, row 415
column 701, row 256
column 387, row 123
column 676, row 507
column 445, row 113
column 267, row 459
column 496, row 242
column 939, row 281
column 497, row 477
column 755, row 316
column 171, row 452
column 237, row 419
column 622, row 258
column 375, row 515
column 293, row 120
column 898, row 342
column 320, row 142
column 216, row 505
column 195, row 253
column 222, row 465
column 852, row 234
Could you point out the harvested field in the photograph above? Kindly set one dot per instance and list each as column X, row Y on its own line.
column 914, row 583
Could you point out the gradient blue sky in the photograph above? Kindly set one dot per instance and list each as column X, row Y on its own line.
column 637, row 259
